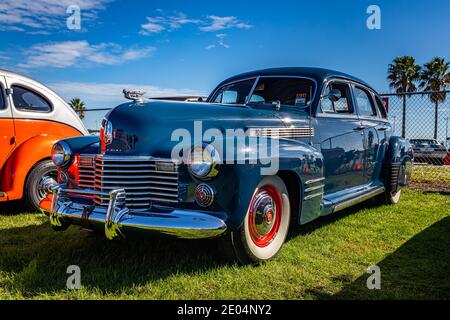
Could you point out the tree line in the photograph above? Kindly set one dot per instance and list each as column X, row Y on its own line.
column 405, row 76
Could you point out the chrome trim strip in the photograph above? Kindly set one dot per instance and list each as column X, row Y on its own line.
column 281, row 132
column 315, row 188
column 361, row 198
column 315, row 180
column 312, row 196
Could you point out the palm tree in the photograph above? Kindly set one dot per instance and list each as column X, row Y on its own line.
column 78, row 105
column 436, row 77
column 403, row 73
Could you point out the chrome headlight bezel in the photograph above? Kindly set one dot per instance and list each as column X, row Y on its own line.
column 207, row 167
column 61, row 154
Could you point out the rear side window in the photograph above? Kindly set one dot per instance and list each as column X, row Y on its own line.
column 2, row 100
column 365, row 104
column 380, row 107
column 343, row 105
column 27, row 100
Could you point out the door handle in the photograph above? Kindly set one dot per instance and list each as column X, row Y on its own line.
column 359, row 128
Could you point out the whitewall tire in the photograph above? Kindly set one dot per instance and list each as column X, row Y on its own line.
column 266, row 224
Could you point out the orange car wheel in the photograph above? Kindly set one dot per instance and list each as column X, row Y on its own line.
column 33, row 192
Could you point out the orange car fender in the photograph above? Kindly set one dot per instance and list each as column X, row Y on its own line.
column 20, row 162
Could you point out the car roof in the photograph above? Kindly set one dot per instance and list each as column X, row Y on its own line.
column 318, row 74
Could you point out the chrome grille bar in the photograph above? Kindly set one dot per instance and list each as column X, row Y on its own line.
column 138, row 176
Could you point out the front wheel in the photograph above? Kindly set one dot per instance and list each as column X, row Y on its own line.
column 33, row 192
column 265, row 226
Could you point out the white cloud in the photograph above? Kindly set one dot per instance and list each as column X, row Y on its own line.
column 101, row 94
column 220, row 42
column 170, row 23
column 211, row 23
column 68, row 53
column 43, row 15
column 217, row 23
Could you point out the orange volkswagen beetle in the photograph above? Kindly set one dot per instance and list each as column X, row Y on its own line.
column 32, row 119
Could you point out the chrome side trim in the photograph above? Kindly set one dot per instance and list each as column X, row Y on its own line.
column 281, row 132
column 315, row 188
column 361, row 198
column 312, row 196
column 314, row 180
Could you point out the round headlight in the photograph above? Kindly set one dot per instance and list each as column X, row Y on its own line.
column 203, row 162
column 61, row 154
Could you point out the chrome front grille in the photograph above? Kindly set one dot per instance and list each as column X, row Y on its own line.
column 87, row 172
column 144, row 184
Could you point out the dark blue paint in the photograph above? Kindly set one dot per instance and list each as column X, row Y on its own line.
column 350, row 159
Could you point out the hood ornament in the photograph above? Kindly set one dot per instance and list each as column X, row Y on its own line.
column 134, row 95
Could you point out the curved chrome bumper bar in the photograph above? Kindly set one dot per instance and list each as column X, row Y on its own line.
column 118, row 220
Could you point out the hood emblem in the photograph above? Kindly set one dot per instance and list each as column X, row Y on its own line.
column 134, row 95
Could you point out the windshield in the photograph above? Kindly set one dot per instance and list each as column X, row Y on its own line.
column 288, row 91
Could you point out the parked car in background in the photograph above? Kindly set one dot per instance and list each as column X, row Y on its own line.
column 335, row 149
column 429, row 151
column 32, row 119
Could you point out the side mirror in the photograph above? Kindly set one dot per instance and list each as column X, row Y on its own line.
column 200, row 99
column 334, row 95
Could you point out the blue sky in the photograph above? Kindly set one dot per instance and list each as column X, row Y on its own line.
column 169, row 47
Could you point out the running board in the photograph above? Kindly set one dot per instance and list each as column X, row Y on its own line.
column 351, row 202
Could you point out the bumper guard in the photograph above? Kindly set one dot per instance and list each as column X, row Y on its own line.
column 118, row 220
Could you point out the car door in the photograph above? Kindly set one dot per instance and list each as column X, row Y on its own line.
column 374, row 130
column 340, row 136
column 7, row 135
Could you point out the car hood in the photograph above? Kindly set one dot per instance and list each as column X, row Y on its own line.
column 154, row 128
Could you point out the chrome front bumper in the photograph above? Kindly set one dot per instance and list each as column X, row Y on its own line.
column 118, row 221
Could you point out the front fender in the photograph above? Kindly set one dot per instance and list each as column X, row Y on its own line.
column 23, row 158
column 84, row 145
column 295, row 160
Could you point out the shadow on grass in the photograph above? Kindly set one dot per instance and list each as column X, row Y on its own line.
column 11, row 208
column 419, row 269
column 299, row 230
column 37, row 258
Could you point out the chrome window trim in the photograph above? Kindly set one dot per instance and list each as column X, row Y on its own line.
column 321, row 114
column 45, row 98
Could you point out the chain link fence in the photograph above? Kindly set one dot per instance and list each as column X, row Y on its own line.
column 414, row 117
column 424, row 119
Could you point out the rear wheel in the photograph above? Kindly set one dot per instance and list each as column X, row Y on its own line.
column 397, row 177
column 33, row 192
column 265, row 226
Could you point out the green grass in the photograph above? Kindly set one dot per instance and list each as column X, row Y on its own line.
column 326, row 259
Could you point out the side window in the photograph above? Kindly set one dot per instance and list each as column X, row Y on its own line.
column 364, row 102
column 343, row 105
column 27, row 100
column 2, row 100
column 381, row 108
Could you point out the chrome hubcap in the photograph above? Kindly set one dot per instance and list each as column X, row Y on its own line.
column 265, row 216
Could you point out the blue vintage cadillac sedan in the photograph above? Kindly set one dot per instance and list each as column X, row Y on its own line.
column 329, row 146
